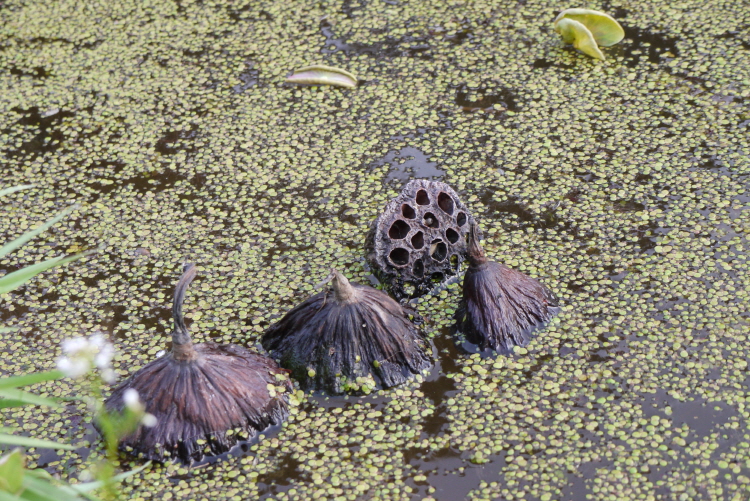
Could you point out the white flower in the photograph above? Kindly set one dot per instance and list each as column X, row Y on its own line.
column 73, row 367
column 75, row 345
column 149, row 420
column 103, row 358
column 160, row 353
column 109, row 375
column 132, row 401
column 97, row 339
column 81, row 353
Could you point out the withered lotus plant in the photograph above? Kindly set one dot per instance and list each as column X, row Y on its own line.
column 501, row 307
column 419, row 238
column 205, row 397
column 352, row 338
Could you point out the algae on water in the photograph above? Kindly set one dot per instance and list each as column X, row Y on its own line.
column 622, row 187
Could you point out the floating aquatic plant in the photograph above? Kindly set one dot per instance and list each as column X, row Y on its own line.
column 15, row 279
column 352, row 338
column 199, row 392
column 17, row 482
column 323, row 75
column 501, row 307
column 588, row 29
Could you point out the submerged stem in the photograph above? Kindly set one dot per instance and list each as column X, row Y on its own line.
column 182, row 345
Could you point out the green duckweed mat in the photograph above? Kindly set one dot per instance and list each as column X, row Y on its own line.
column 622, row 185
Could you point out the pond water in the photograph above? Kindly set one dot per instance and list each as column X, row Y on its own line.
column 621, row 185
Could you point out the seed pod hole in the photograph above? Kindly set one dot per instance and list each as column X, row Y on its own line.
column 430, row 220
column 423, row 198
column 461, row 219
column 454, row 260
column 452, row 235
column 445, row 202
column 418, row 268
column 438, row 250
column 408, row 211
column 399, row 256
column 399, row 229
column 417, row 241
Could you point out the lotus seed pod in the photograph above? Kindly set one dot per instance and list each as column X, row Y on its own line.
column 419, row 237
column 198, row 392
column 501, row 307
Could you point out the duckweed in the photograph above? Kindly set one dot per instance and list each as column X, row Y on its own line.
column 623, row 187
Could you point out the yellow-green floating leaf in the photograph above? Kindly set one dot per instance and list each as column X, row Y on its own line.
column 323, row 75
column 603, row 27
column 576, row 33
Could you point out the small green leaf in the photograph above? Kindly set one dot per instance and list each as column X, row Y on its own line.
column 12, row 397
column 27, row 379
column 6, row 439
column 323, row 75
column 11, row 472
column 604, row 28
column 581, row 38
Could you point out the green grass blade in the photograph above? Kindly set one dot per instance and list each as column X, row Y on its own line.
column 14, row 280
column 58, row 484
column 18, row 242
column 6, row 439
column 13, row 397
column 6, row 496
column 13, row 189
column 43, row 489
column 90, row 486
column 27, row 379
